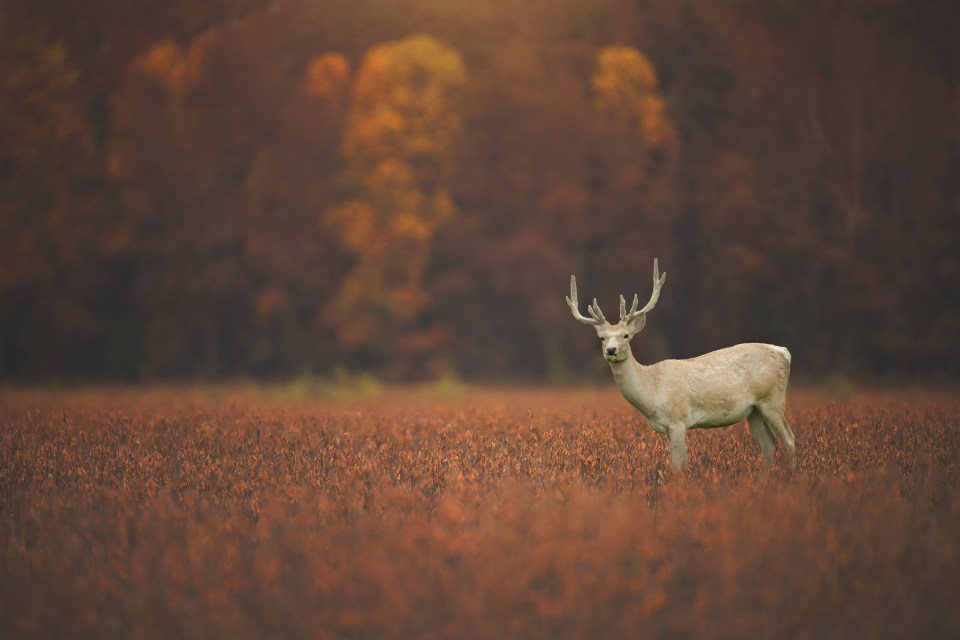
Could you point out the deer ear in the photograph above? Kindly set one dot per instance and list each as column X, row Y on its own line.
column 637, row 324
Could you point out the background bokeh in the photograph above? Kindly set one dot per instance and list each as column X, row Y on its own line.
column 222, row 188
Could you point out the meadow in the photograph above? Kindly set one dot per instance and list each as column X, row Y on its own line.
column 469, row 513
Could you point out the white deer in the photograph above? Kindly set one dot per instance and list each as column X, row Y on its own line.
column 716, row 389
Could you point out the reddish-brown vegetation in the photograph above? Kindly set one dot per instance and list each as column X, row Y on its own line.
column 499, row 515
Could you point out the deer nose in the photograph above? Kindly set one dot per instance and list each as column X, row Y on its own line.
column 611, row 351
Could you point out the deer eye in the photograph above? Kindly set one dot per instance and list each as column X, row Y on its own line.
column 626, row 336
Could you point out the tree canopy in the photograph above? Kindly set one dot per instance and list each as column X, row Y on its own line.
column 271, row 188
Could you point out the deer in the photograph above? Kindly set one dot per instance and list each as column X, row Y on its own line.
column 718, row 389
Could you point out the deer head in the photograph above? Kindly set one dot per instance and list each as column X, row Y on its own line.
column 615, row 338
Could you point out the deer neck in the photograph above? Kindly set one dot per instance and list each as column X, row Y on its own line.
column 636, row 383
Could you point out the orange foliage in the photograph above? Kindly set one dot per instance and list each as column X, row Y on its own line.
column 327, row 77
column 530, row 514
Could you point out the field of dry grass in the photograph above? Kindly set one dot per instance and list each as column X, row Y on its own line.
column 535, row 514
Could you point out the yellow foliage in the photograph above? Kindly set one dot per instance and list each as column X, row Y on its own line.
column 627, row 88
column 403, row 100
column 356, row 224
column 402, row 122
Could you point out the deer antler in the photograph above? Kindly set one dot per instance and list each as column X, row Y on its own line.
column 657, row 285
column 594, row 309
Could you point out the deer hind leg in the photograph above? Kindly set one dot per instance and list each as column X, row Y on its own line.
column 678, row 447
column 777, row 421
column 768, row 442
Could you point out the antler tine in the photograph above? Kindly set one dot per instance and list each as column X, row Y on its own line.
column 596, row 313
column 624, row 315
column 574, row 304
column 658, row 281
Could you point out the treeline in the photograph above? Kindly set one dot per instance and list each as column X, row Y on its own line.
column 240, row 187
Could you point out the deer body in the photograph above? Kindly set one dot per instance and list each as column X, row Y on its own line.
column 718, row 389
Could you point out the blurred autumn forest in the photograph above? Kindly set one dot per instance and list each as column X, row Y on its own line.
column 270, row 188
